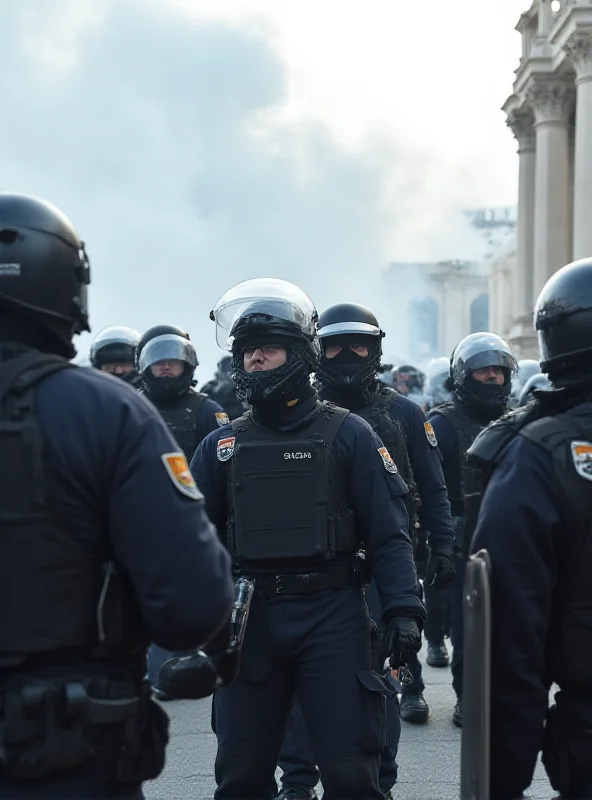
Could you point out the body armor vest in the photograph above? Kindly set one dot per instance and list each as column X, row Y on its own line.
column 467, row 429
column 287, row 497
column 55, row 594
column 570, row 657
column 390, row 431
column 180, row 415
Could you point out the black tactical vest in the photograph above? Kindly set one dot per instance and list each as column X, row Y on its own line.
column 570, row 656
column 180, row 415
column 467, row 429
column 55, row 593
column 378, row 415
column 287, row 498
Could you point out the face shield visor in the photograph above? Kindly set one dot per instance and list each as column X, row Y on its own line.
column 167, row 348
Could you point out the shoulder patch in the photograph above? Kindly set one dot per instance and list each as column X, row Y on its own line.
column 430, row 434
column 581, row 452
column 387, row 460
column 222, row 418
column 178, row 471
column 225, row 448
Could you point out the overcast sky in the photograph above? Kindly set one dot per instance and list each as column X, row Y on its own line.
column 195, row 143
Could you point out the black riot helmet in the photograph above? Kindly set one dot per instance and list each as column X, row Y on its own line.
column 563, row 321
column 477, row 351
column 115, row 345
column 268, row 311
column 44, row 269
column 166, row 343
column 343, row 325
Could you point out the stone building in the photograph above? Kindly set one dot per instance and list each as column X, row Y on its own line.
column 433, row 305
column 550, row 114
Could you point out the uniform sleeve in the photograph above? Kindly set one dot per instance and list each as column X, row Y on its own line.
column 163, row 538
column 377, row 501
column 207, row 421
column 210, row 476
column 448, row 446
column 519, row 525
column 426, row 463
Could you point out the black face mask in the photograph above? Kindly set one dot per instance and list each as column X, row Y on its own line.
column 487, row 401
column 349, row 374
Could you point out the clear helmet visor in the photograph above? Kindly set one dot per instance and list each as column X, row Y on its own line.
column 167, row 348
column 480, row 350
column 117, row 334
column 271, row 297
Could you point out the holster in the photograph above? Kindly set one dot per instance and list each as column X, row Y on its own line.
column 53, row 725
column 566, row 754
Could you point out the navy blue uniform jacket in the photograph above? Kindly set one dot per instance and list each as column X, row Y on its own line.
column 522, row 527
column 105, row 444
column 426, row 463
column 375, row 497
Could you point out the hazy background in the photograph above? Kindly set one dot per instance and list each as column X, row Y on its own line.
column 198, row 143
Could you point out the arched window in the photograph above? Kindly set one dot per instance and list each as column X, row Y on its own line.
column 480, row 313
column 423, row 328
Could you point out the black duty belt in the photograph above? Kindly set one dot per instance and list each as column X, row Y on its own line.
column 310, row 582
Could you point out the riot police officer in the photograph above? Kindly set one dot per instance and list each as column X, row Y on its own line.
column 104, row 540
column 481, row 370
column 167, row 362
column 114, row 351
column 295, row 487
column 535, row 521
column 351, row 341
column 409, row 381
column 222, row 389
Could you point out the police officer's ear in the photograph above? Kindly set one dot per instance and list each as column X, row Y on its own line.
column 449, row 384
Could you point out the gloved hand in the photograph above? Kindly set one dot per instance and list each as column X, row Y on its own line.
column 402, row 640
column 440, row 569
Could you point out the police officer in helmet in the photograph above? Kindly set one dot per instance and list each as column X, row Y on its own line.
column 481, row 370
column 105, row 544
column 167, row 362
column 535, row 521
column 114, row 350
column 295, row 487
column 347, row 374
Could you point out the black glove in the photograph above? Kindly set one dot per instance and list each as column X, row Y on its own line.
column 440, row 569
column 402, row 640
column 189, row 677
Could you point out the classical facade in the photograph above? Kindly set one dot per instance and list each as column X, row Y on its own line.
column 433, row 305
column 550, row 114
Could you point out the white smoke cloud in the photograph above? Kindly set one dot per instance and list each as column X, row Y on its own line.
column 161, row 135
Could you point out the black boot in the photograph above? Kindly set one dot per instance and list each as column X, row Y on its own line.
column 457, row 715
column 414, row 708
column 437, row 655
column 296, row 793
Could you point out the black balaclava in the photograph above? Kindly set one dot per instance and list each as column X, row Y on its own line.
column 349, row 378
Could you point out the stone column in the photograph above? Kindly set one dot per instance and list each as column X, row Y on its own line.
column 551, row 101
column 579, row 49
column 522, row 125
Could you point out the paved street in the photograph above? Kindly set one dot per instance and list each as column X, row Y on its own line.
column 428, row 756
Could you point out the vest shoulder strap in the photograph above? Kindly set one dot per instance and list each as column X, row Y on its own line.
column 22, row 373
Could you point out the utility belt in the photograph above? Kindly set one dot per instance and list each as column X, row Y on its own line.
column 336, row 577
column 53, row 725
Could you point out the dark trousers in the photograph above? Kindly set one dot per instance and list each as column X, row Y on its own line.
column 315, row 648
column 437, row 602
column 84, row 783
column 456, row 626
column 296, row 758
